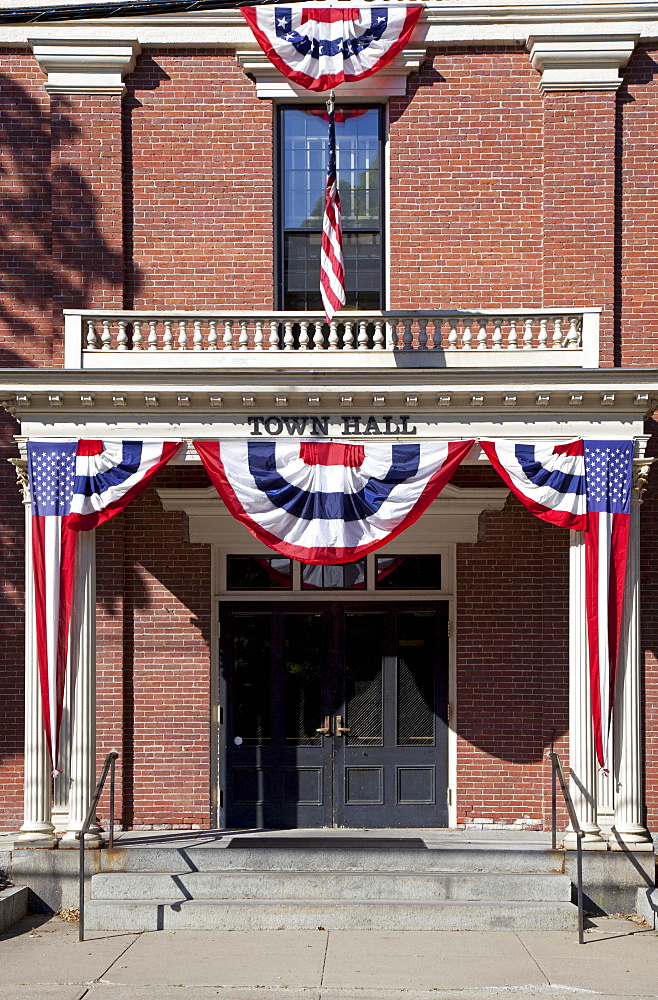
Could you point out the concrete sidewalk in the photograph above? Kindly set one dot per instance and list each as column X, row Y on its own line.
column 41, row 959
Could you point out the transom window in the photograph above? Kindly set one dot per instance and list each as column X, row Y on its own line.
column 391, row 572
column 302, row 180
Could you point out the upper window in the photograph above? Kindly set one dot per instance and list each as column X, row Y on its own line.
column 302, row 180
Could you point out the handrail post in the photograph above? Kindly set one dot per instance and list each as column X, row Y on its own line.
column 579, row 832
column 553, row 805
column 108, row 766
column 579, row 871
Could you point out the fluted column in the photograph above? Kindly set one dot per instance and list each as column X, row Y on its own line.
column 582, row 760
column 629, row 830
column 37, row 829
column 83, row 679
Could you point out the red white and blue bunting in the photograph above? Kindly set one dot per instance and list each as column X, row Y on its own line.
column 319, row 47
column 328, row 502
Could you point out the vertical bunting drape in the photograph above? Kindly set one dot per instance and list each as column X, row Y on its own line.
column 585, row 485
column 74, row 486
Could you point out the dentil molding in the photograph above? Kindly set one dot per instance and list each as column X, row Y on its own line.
column 85, row 66
column 580, row 62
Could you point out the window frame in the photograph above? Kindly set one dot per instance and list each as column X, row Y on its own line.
column 279, row 228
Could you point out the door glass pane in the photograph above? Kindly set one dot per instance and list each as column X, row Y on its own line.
column 408, row 572
column 305, row 652
column 415, row 683
column 251, row 679
column 258, row 573
column 340, row 576
column 364, row 651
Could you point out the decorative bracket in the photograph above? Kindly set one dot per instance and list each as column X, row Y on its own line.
column 20, row 468
column 85, row 66
column 580, row 62
column 641, row 470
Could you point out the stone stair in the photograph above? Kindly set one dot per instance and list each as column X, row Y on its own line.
column 264, row 884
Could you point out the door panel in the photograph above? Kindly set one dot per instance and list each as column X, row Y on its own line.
column 335, row 715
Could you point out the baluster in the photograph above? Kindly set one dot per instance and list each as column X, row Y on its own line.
column 422, row 334
column 274, row 335
column 363, row 336
column 288, row 339
column 258, row 336
column 348, row 337
column 182, row 335
column 452, row 336
column 303, row 335
column 407, row 336
column 378, row 338
column 497, row 337
column 512, row 336
column 318, row 337
column 122, row 336
column 333, row 335
column 244, row 336
column 573, row 336
column 153, row 335
column 92, row 342
column 527, row 334
column 137, row 335
column 212, row 335
column 482, row 334
column 557, row 333
column 543, row 333
column 167, row 337
column 228, row 335
column 106, row 336
column 197, row 339
column 467, row 336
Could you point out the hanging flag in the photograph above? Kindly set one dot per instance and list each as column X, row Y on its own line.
column 609, row 472
column 548, row 479
column 328, row 502
column 321, row 47
column 332, row 270
column 74, row 485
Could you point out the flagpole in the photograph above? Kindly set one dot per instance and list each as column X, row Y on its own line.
column 332, row 272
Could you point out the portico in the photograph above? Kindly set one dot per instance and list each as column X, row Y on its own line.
column 534, row 405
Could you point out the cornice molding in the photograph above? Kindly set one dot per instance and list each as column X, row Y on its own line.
column 581, row 62
column 85, row 66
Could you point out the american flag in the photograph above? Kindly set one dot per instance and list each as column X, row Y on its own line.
column 332, row 271
column 609, row 476
column 74, row 486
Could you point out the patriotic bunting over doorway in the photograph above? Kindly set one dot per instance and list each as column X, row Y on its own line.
column 319, row 47
column 583, row 485
column 326, row 503
column 74, row 486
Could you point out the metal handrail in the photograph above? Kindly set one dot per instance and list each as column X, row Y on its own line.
column 109, row 764
column 557, row 772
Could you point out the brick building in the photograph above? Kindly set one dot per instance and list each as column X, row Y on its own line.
column 159, row 262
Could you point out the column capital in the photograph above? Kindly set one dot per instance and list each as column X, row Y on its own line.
column 20, row 468
column 641, row 470
column 85, row 66
column 580, row 62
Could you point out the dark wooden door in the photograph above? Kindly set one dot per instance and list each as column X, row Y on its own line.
column 335, row 714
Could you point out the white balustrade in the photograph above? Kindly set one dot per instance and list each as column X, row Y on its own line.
column 454, row 337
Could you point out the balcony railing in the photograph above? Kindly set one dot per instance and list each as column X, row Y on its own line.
column 403, row 339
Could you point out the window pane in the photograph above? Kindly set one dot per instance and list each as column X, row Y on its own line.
column 251, row 681
column 408, row 572
column 362, row 253
column 364, row 651
column 305, row 651
column 344, row 576
column 258, row 573
column 415, row 687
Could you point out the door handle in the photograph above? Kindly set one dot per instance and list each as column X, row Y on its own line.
column 326, row 729
column 339, row 728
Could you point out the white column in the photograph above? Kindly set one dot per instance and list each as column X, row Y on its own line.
column 629, row 830
column 37, row 829
column 83, row 678
column 582, row 760
column 60, row 811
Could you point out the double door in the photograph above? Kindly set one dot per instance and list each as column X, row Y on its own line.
column 334, row 714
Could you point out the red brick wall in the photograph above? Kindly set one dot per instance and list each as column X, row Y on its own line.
column 512, row 666
column 637, row 271
column 466, row 182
